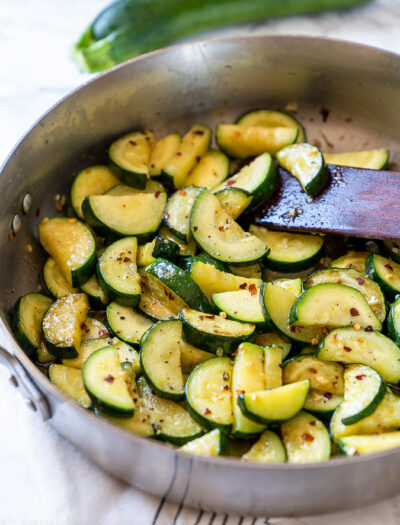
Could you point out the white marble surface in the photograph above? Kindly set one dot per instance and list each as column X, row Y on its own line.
column 35, row 38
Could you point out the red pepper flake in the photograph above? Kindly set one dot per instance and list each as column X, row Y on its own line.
column 171, row 297
column 360, row 281
column 253, row 290
column 240, row 392
column 221, row 228
column 312, row 370
column 206, row 411
column 103, row 333
column 198, row 158
column 235, row 352
column 243, row 286
column 225, row 387
column 181, row 192
column 109, row 378
column 210, row 316
column 307, row 437
column 198, row 132
column 132, row 143
column 347, row 349
column 361, row 377
column 389, row 267
column 354, row 312
column 368, row 329
column 127, row 259
column 157, row 194
column 178, row 153
column 84, row 327
column 328, row 395
column 195, row 228
column 292, row 328
column 230, row 183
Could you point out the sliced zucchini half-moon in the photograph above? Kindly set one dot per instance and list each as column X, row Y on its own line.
column 160, row 359
column 355, row 279
column 391, row 248
column 26, row 320
column 248, row 376
column 353, row 260
column 385, row 272
column 373, row 349
column 97, row 298
column 61, row 325
column 177, row 212
column 375, row 159
column 145, row 253
column 211, row 169
column 241, row 305
column 219, row 235
column 213, row 332
column 259, row 178
column 127, row 324
column 117, row 272
column 72, row 245
column 306, row 163
column 93, row 329
column 107, row 383
column 290, row 252
column 234, row 200
column 393, row 321
column 138, row 215
column 267, row 449
column 333, row 305
column 275, row 405
column 193, row 145
column 130, row 157
column 274, row 339
column 94, row 180
column 162, row 151
column 211, row 444
column 54, row 282
column 273, row 366
column 185, row 249
column 271, row 118
column 241, row 142
column 69, row 380
column 360, row 445
column 306, row 439
column 208, row 394
column 192, row 356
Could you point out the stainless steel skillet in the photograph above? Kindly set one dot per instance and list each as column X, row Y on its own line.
column 210, row 81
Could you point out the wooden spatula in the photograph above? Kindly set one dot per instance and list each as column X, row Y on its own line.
column 357, row 202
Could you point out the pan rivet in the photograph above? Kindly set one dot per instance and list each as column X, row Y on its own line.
column 31, row 404
column 26, row 203
column 16, row 223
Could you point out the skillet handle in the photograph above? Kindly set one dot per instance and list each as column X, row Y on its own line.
column 20, row 379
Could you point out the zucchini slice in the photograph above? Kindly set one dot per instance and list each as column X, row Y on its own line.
column 211, row 169
column 192, row 356
column 306, row 439
column 360, row 445
column 170, row 421
column 322, row 405
column 385, row 272
column 212, row 280
column 242, row 305
column 26, row 320
column 193, row 145
column 152, row 186
column 268, row 449
column 138, row 424
column 145, row 253
column 139, row 215
column 97, row 298
column 130, row 157
column 306, row 163
column 234, row 200
column 271, row 118
column 355, row 279
column 209, row 395
column 107, row 383
column 117, row 272
column 177, row 212
column 54, row 281
column 259, row 178
column 273, row 406
column 127, row 324
column 273, row 366
column 393, row 321
column 43, row 356
column 162, row 152
column 212, row 332
column 324, row 376
column 170, row 278
column 333, row 305
column 385, row 418
column 251, row 270
column 69, row 380
column 219, row 235
column 353, row 260
column 241, row 142
column 211, row 444
column 94, row 180
column 61, row 325
column 273, row 339
column 248, row 376
column 373, row 349
column 364, row 390
column 185, row 249
column 188, row 262
column 391, row 249
column 375, row 159
column 72, row 245
column 290, row 252
column 165, row 249
column 93, row 329
column 160, row 359
column 278, row 298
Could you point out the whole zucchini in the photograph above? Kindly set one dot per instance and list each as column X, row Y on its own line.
column 127, row 28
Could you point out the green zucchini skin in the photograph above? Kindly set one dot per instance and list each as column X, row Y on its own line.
column 165, row 249
column 126, row 29
column 393, row 322
column 186, row 263
column 373, row 273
